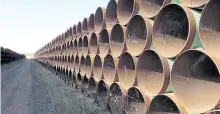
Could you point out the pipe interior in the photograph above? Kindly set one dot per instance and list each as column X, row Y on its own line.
column 84, row 26
column 75, row 45
column 92, row 84
column 85, row 80
column 98, row 19
column 111, row 14
column 125, row 10
column 135, row 102
column 71, row 44
column 79, row 77
column 82, row 65
column 76, row 63
column 88, row 65
column 171, row 29
column 85, row 44
column 74, row 30
column 80, row 44
column 136, row 34
column 210, row 30
column 117, row 39
column 79, row 29
column 109, row 68
column 195, row 73
column 163, row 104
column 102, row 89
column 103, row 41
column 91, row 23
column 126, row 69
column 93, row 43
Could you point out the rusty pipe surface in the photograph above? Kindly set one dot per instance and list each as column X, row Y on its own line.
column 91, row 23
column 79, row 46
column 195, row 79
column 103, row 44
column 209, row 28
column 93, row 44
column 150, row 8
column 166, row 103
column 138, row 35
column 88, row 65
column 100, row 18
column 126, row 70
column 97, row 67
column 111, row 14
column 82, row 65
column 153, row 73
column 136, row 102
column 85, row 30
column 117, row 40
column 194, row 3
column 109, row 68
column 85, row 45
column 79, row 30
column 126, row 9
column 174, row 30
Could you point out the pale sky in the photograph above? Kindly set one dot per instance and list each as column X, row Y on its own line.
column 27, row 25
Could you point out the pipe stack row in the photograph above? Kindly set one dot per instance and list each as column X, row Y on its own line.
column 8, row 55
column 144, row 56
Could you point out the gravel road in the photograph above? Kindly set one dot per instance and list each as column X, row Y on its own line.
column 29, row 88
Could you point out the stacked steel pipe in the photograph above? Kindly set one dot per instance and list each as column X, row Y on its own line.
column 8, row 55
column 144, row 56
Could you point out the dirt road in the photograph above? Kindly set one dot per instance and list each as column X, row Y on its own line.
column 29, row 88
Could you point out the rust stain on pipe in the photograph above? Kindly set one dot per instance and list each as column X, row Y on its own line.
column 150, row 8
column 209, row 28
column 109, row 68
column 126, row 70
column 126, row 9
column 103, row 44
column 195, row 80
column 194, row 3
column 174, row 30
column 100, row 16
column 153, row 73
column 138, row 35
column 111, row 14
column 166, row 103
column 117, row 40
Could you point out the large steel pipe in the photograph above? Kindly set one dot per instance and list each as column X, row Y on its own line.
column 153, row 73
column 79, row 30
column 166, row 103
column 85, row 27
column 174, row 30
column 209, row 28
column 138, row 35
column 85, row 45
column 116, row 98
column 117, row 39
column 79, row 46
column 126, row 9
column 194, row 3
column 100, row 16
column 82, row 66
column 111, row 14
column 93, row 44
column 136, row 102
column 102, row 92
column 75, row 44
column 195, row 79
column 109, row 68
column 97, row 67
column 103, row 45
column 88, row 66
column 92, row 88
column 74, row 32
column 126, row 70
column 150, row 8
column 76, row 63
column 91, row 23
column 72, row 63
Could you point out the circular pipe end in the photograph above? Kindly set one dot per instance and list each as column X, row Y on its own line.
column 111, row 14
column 100, row 19
column 104, row 42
